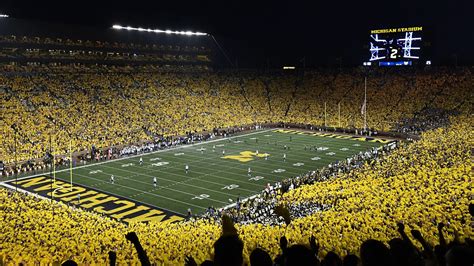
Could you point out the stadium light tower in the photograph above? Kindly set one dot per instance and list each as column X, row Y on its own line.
column 186, row 33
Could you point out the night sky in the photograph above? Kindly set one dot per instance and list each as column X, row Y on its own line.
column 273, row 33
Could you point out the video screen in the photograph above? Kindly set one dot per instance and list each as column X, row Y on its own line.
column 397, row 46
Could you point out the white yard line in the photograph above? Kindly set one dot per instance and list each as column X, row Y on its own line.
column 191, row 154
column 150, row 184
column 287, row 165
column 3, row 183
column 144, row 192
column 142, row 154
column 177, row 183
column 254, row 196
column 203, row 175
column 170, row 166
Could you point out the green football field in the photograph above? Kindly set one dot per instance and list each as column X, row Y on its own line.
column 214, row 178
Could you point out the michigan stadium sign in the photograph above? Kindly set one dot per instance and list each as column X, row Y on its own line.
column 394, row 30
column 120, row 208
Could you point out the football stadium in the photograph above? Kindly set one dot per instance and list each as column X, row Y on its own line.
column 143, row 142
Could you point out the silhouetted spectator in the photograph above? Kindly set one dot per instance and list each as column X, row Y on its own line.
column 69, row 263
column 375, row 253
column 228, row 250
column 299, row 255
column 259, row 257
column 460, row 256
column 350, row 260
column 132, row 237
column 331, row 259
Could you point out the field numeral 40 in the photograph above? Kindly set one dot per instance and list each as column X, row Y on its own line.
column 201, row 197
column 230, row 187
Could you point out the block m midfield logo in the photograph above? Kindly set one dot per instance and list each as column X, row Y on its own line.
column 245, row 156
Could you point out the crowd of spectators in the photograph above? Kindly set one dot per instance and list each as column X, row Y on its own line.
column 425, row 185
column 72, row 44
column 122, row 106
column 43, row 49
column 329, row 216
column 426, row 119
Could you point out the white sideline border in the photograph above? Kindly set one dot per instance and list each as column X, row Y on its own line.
column 90, row 211
column 141, row 154
column 26, row 192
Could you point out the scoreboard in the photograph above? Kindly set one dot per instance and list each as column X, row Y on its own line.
column 396, row 46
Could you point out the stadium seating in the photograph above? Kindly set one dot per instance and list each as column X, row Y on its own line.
column 420, row 184
column 28, row 48
column 89, row 106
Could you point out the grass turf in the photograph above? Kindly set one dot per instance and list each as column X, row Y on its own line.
column 213, row 180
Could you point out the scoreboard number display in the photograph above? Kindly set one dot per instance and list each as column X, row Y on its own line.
column 396, row 46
